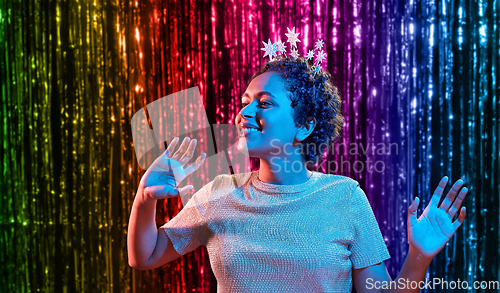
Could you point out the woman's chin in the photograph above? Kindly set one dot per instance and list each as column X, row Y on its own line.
column 243, row 147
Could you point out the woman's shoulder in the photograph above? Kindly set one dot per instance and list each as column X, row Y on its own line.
column 337, row 189
column 338, row 180
column 232, row 180
column 220, row 187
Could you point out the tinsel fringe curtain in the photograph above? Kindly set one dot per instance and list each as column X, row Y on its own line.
column 420, row 74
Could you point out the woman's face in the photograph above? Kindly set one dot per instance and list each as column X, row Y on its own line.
column 266, row 106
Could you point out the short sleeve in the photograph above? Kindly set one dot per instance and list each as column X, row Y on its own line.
column 183, row 230
column 368, row 247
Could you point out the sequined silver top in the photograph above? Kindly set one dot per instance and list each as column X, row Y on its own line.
column 264, row 237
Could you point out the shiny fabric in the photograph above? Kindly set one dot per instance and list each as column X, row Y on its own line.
column 265, row 237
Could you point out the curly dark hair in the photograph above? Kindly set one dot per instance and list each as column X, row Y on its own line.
column 311, row 96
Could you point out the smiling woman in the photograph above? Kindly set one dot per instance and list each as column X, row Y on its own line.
column 284, row 228
column 313, row 99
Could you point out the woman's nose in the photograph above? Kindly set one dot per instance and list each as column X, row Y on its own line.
column 247, row 112
column 247, row 115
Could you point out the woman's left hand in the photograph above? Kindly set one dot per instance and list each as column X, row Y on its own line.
column 428, row 234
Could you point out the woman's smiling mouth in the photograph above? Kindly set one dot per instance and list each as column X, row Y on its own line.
column 245, row 128
column 246, row 131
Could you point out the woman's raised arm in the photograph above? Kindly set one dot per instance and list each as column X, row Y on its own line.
column 427, row 235
column 147, row 246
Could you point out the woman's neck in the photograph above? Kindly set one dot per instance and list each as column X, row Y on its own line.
column 279, row 171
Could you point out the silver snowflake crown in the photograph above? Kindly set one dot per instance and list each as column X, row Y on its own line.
column 271, row 50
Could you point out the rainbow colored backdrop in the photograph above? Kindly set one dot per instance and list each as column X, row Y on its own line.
column 421, row 74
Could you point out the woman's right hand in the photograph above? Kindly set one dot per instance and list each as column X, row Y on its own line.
column 163, row 176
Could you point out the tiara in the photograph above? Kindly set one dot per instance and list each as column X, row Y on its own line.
column 272, row 49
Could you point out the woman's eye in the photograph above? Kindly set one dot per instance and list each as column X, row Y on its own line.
column 264, row 103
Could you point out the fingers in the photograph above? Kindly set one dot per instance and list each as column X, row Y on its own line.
column 189, row 153
column 439, row 191
column 412, row 212
column 182, row 149
column 460, row 220
column 161, row 163
column 445, row 205
column 165, row 191
column 171, row 146
column 193, row 167
column 456, row 204
column 180, row 157
column 184, row 190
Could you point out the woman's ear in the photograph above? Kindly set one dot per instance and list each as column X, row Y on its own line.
column 306, row 129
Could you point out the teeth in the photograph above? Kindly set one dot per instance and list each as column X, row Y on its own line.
column 251, row 129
